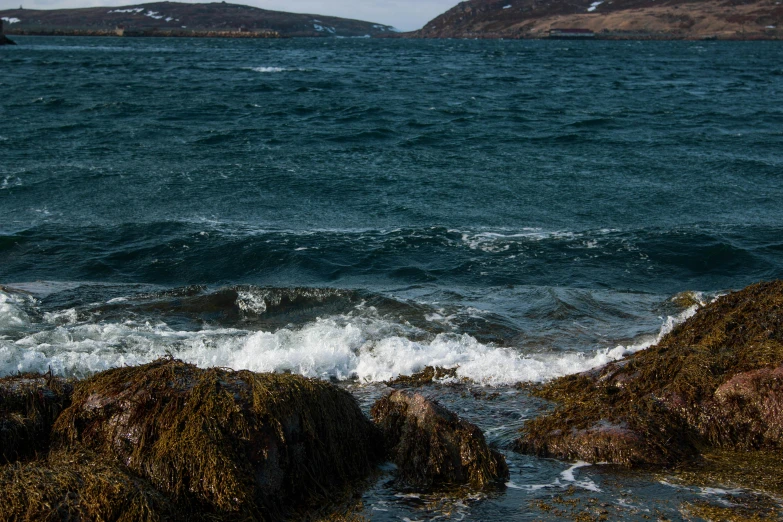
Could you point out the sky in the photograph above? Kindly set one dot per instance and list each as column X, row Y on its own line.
column 405, row 15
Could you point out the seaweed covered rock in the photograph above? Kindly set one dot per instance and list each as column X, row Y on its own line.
column 427, row 376
column 29, row 405
column 78, row 486
column 715, row 382
column 433, row 447
column 238, row 444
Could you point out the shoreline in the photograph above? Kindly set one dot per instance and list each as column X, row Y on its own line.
column 147, row 34
column 658, row 37
column 701, row 426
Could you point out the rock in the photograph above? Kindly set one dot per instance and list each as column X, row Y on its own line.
column 714, row 383
column 239, row 444
column 29, row 405
column 424, row 377
column 79, row 486
column 6, row 41
column 433, row 447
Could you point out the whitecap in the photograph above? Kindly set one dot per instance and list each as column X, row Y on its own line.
column 369, row 349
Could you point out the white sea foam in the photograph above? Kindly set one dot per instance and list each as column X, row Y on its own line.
column 570, row 477
column 251, row 302
column 499, row 242
column 566, row 479
column 10, row 181
column 272, row 69
column 370, row 349
column 63, row 317
column 668, row 325
column 12, row 314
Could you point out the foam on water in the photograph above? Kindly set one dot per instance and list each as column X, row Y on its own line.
column 12, row 315
column 370, row 349
column 270, row 69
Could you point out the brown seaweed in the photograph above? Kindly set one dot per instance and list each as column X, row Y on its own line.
column 29, row 405
column 433, row 447
column 77, row 485
column 239, row 444
column 716, row 381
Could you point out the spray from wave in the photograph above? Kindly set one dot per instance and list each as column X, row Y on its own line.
column 358, row 345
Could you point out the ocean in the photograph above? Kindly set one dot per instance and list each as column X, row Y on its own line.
column 358, row 209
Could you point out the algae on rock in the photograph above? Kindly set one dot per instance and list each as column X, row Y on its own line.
column 716, row 381
column 433, row 447
column 77, row 485
column 238, row 444
column 424, row 377
column 29, row 405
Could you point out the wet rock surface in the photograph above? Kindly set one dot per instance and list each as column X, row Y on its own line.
column 433, row 447
column 425, row 377
column 234, row 445
column 29, row 405
column 715, row 382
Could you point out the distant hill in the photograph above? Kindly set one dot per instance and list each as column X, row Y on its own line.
column 180, row 18
column 655, row 19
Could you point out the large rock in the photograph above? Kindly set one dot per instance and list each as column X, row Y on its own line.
column 29, row 405
column 78, row 486
column 238, row 444
column 433, row 447
column 715, row 382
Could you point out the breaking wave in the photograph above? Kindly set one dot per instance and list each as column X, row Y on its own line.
column 359, row 344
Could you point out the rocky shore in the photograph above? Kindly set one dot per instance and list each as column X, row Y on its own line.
column 170, row 441
column 715, row 382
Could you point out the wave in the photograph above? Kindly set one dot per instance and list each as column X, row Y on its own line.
column 361, row 344
column 171, row 253
column 275, row 69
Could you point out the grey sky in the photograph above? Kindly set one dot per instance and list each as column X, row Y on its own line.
column 402, row 14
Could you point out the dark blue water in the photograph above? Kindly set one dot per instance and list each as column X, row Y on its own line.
column 357, row 209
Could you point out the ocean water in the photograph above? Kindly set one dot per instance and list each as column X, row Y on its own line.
column 356, row 209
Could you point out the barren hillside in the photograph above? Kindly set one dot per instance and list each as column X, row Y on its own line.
column 174, row 16
column 663, row 19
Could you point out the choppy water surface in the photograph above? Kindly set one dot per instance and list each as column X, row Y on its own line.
column 358, row 209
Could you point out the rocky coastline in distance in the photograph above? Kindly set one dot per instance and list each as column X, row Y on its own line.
column 168, row 440
column 471, row 19
column 609, row 20
column 175, row 19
